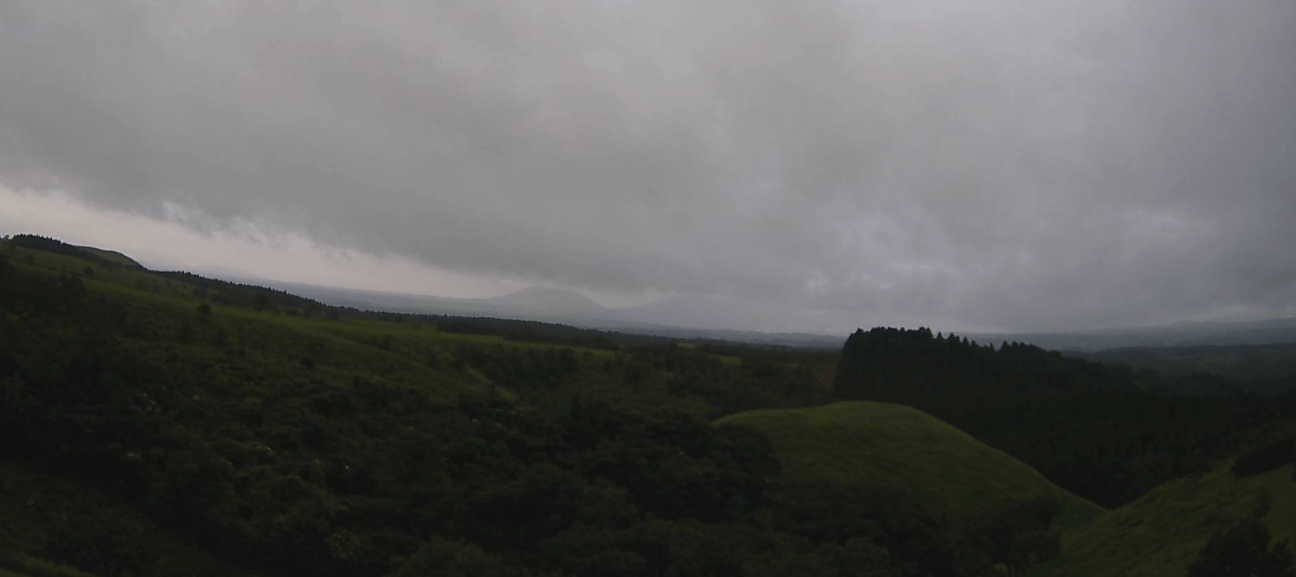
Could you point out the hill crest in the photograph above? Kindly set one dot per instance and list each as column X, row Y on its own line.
column 938, row 465
column 548, row 300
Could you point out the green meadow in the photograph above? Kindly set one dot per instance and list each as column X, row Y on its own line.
column 941, row 467
column 1161, row 533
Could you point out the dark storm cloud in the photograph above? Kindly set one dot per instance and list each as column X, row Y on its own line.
column 1016, row 164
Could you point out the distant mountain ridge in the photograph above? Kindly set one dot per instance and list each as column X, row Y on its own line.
column 727, row 319
column 719, row 318
column 1180, row 334
column 676, row 317
column 548, row 300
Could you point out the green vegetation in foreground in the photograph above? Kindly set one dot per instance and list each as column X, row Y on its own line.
column 34, row 567
column 1162, row 533
column 154, row 423
column 939, row 466
column 1281, row 518
column 288, row 437
column 46, row 517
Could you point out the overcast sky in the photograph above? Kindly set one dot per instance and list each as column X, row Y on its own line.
column 988, row 164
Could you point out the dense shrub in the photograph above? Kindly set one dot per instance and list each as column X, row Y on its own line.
column 1243, row 551
column 1266, row 455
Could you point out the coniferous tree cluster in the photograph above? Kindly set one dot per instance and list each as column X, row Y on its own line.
column 1104, row 432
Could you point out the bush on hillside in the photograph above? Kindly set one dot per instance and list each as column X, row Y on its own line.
column 1266, row 456
column 1243, row 551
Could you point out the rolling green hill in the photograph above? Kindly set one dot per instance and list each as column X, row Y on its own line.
column 1162, row 533
column 939, row 466
column 274, row 334
column 290, row 437
column 112, row 256
column 152, row 422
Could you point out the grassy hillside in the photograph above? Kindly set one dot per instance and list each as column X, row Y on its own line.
column 941, row 467
column 1162, row 533
column 1281, row 518
column 251, row 330
column 153, row 422
column 289, row 437
column 111, row 256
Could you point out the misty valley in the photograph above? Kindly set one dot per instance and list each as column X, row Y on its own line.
column 166, row 423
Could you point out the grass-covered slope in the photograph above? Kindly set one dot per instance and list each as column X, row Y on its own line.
column 1162, row 533
column 941, row 467
column 287, row 437
column 280, row 337
column 112, row 256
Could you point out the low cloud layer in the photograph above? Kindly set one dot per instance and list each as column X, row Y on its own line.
column 1021, row 165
